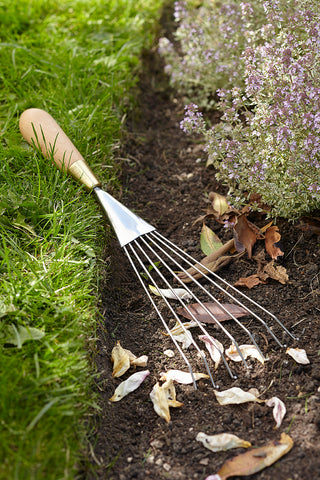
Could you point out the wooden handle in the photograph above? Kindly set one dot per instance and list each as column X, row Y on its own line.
column 42, row 131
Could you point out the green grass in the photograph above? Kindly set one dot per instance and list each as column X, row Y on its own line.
column 79, row 61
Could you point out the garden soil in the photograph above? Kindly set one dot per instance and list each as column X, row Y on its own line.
column 165, row 180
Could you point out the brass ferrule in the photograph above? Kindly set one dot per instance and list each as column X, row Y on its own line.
column 82, row 173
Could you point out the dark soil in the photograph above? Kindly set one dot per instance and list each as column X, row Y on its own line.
column 166, row 181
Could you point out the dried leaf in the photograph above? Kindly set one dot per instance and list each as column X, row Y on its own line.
column 278, row 273
column 265, row 227
column 222, row 441
column 272, row 237
column 248, row 282
column 17, row 335
column 122, row 359
column 209, row 241
column 235, row 396
column 214, row 347
column 163, row 397
column 181, row 333
column 140, row 361
column 182, row 377
column 279, row 409
column 180, row 327
column 171, row 293
column 220, row 311
column 246, row 350
column 254, row 460
column 246, row 235
column 129, row 385
column 219, row 203
column 299, row 355
column 210, row 263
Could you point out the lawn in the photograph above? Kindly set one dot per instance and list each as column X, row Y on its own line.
column 79, row 60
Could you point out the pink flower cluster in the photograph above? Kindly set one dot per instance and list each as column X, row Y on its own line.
column 268, row 140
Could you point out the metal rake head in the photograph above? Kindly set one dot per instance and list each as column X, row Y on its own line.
column 155, row 258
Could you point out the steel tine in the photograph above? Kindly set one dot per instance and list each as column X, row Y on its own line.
column 186, row 306
column 160, row 315
column 210, row 314
column 170, row 306
column 203, row 306
column 193, row 262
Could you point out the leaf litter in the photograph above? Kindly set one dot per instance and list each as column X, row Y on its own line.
column 254, row 460
column 222, row 441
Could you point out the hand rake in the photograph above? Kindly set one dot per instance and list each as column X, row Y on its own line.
column 155, row 258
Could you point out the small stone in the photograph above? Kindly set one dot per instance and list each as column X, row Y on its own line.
column 156, row 444
column 204, row 461
column 169, row 353
column 166, row 467
column 129, row 459
column 159, row 462
column 150, row 459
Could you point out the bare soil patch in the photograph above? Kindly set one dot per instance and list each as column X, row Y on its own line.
column 165, row 179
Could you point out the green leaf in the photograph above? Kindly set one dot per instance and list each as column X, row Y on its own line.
column 21, row 224
column 6, row 308
column 18, row 335
column 209, row 241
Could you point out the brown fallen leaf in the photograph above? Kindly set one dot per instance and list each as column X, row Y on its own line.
column 265, row 227
column 256, row 459
column 245, row 235
column 278, row 273
column 215, row 309
column 272, row 237
column 210, row 263
column 248, row 282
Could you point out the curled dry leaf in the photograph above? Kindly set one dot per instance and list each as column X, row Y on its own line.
column 129, row 385
column 279, row 409
column 278, row 273
column 222, row 441
column 235, row 396
column 245, row 235
column 220, row 311
column 219, row 203
column 209, row 241
column 182, row 377
column 214, row 347
column 122, row 360
column 299, row 355
column 140, row 361
column 163, row 397
column 246, row 350
column 272, row 238
column 248, row 282
column 171, row 293
column 210, row 263
column 181, row 333
column 181, row 327
column 255, row 459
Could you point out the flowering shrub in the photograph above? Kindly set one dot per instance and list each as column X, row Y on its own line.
column 268, row 140
column 211, row 39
